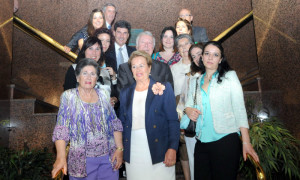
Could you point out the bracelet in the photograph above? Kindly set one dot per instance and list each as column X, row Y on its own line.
column 119, row 148
column 246, row 143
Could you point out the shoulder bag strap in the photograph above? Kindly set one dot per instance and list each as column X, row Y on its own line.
column 195, row 97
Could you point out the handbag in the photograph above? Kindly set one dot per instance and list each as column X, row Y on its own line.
column 190, row 130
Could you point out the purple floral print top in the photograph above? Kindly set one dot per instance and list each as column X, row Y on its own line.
column 88, row 127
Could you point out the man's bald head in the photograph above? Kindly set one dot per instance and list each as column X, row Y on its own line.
column 186, row 14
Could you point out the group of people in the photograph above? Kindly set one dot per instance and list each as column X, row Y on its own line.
column 130, row 104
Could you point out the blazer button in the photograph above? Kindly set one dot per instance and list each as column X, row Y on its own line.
column 156, row 140
column 126, row 140
column 155, row 110
column 154, row 126
column 126, row 126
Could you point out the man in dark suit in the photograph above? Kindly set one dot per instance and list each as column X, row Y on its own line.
column 120, row 52
column 159, row 70
column 199, row 33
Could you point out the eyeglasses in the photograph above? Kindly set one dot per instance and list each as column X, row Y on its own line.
column 184, row 15
column 183, row 45
column 138, row 66
column 86, row 74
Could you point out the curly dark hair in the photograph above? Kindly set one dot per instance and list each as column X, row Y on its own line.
column 105, row 31
column 90, row 41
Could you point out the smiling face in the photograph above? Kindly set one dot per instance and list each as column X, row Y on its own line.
column 110, row 14
column 196, row 54
column 121, row 36
column 145, row 43
column 93, row 52
column 183, row 47
column 105, row 40
column 181, row 28
column 87, row 78
column 211, row 57
column 140, row 69
column 97, row 20
column 168, row 39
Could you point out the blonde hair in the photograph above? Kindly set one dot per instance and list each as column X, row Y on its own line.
column 140, row 54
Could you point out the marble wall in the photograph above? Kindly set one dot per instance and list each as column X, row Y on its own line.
column 42, row 70
column 277, row 31
column 6, row 29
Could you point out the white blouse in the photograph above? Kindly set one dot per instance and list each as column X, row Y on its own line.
column 139, row 109
column 178, row 71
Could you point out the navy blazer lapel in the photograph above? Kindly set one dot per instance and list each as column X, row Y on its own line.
column 128, row 51
column 130, row 100
column 149, row 99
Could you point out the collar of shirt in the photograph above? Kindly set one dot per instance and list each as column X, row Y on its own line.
column 108, row 25
column 117, row 46
column 124, row 51
column 213, row 76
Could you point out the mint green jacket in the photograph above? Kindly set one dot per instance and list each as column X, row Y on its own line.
column 227, row 104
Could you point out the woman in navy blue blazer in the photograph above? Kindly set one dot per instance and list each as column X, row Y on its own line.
column 150, row 122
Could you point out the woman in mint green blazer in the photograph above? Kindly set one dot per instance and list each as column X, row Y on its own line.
column 221, row 117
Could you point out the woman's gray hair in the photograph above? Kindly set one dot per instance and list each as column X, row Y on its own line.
column 145, row 33
column 86, row 62
column 181, row 36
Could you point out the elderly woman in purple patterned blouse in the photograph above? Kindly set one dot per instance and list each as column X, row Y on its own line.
column 87, row 120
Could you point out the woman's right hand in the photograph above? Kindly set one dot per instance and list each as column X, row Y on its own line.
column 192, row 113
column 67, row 49
column 111, row 72
column 58, row 165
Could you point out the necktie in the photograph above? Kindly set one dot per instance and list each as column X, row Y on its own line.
column 120, row 59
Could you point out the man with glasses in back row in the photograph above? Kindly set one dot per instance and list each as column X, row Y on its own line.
column 199, row 33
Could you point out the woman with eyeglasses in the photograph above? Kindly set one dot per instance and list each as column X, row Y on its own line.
column 88, row 122
column 195, row 52
column 92, row 48
column 179, row 70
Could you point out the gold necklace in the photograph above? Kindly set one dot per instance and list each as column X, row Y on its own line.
column 209, row 78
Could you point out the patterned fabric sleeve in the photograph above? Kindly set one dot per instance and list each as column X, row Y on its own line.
column 116, row 123
column 61, row 131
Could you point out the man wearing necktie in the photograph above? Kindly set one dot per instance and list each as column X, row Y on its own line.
column 110, row 12
column 119, row 53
